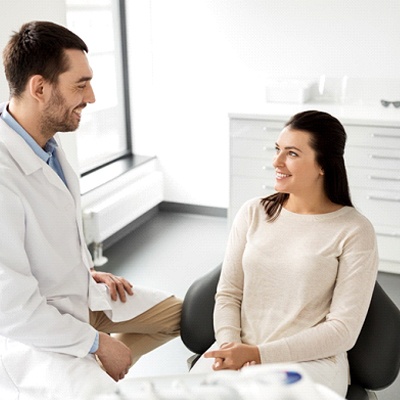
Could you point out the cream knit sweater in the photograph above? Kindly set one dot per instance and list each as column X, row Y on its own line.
column 298, row 287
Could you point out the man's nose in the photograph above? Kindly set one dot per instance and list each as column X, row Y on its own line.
column 89, row 95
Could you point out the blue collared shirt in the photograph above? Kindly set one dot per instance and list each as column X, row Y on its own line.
column 48, row 154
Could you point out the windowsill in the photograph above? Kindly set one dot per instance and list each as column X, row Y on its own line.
column 111, row 171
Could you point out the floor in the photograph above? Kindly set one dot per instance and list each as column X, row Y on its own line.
column 172, row 250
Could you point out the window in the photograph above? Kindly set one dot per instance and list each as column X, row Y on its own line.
column 103, row 133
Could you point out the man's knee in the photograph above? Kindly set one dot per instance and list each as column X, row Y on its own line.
column 173, row 311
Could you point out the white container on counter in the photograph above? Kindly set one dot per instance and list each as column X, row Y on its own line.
column 288, row 91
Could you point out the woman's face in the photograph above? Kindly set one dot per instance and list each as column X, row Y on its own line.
column 296, row 169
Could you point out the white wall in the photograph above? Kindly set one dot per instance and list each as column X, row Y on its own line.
column 191, row 60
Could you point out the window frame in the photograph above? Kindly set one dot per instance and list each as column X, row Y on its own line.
column 127, row 153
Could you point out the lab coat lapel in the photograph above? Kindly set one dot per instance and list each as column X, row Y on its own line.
column 69, row 173
column 74, row 189
column 30, row 163
column 27, row 160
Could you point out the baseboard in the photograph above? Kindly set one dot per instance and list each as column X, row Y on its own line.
column 168, row 206
column 165, row 206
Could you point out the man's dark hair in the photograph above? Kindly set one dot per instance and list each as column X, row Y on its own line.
column 38, row 49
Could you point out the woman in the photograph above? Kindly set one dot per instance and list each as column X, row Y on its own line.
column 300, row 264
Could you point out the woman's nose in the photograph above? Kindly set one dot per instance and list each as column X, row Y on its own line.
column 278, row 160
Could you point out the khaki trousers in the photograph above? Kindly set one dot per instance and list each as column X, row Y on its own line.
column 145, row 332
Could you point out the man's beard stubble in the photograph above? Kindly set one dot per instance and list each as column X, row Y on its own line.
column 56, row 117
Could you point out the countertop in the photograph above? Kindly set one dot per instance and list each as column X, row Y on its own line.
column 350, row 114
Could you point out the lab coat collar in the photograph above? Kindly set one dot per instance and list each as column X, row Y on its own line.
column 26, row 159
column 20, row 151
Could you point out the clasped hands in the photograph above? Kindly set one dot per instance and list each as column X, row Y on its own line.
column 234, row 356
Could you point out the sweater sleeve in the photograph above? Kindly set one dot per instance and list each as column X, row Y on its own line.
column 230, row 287
column 338, row 332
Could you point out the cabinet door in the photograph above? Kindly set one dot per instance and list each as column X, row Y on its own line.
column 376, row 158
column 373, row 136
column 255, row 129
column 253, row 168
column 252, row 148
column 373, row 178
column 380, row 207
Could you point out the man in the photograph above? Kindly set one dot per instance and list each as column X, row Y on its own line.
column 55, row 314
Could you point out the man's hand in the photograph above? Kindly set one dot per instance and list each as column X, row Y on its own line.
column 115, row 357
column 117, row 285
column 234, row 356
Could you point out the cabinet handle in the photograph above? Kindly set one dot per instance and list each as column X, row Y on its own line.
column 266, row 148
column 378, row 157
column 383, row 178
column 393, row 234
column 381, row 198
column 270, row 129
column 384, row 136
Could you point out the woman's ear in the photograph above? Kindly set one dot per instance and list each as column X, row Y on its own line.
column 37, row 87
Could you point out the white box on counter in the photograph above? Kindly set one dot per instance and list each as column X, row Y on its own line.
column 288, row 91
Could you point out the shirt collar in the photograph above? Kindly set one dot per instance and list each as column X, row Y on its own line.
column 45, row 153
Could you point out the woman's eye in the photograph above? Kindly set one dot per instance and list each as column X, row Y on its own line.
column 293, row 154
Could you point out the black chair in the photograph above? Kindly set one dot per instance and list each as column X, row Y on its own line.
column 374, row 360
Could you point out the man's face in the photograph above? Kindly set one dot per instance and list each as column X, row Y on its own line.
column 69, row 95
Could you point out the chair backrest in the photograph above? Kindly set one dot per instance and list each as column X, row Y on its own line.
column 374, row 359
column 197, row 327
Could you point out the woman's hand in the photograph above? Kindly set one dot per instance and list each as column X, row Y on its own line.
column 117, row 285
column 234, row 356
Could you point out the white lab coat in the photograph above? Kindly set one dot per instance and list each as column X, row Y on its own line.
column 45, row 285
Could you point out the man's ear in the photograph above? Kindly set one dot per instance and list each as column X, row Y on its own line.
column 36, row 86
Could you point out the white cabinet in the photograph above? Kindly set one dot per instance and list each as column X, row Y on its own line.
column 252, row 146
column 373, row 165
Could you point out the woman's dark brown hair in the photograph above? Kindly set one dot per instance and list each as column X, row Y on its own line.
column 328, row 139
